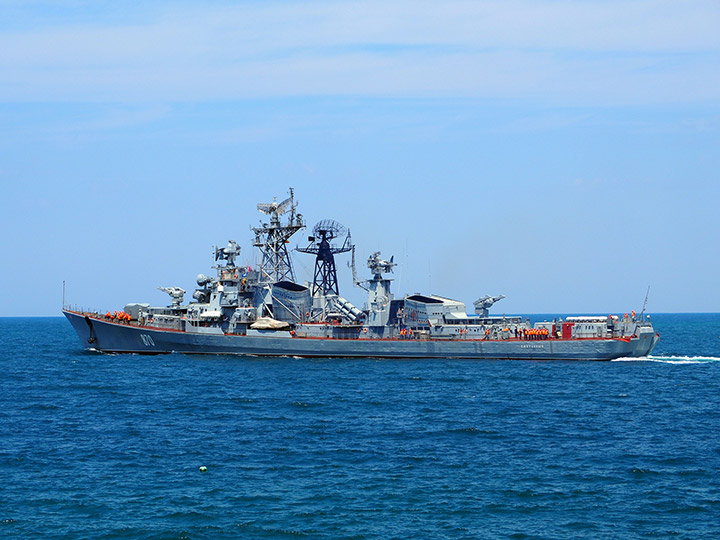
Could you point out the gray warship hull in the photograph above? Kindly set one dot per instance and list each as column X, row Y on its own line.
column 264, row 311
column 102, row 335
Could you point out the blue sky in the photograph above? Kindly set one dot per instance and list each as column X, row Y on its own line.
column 565, row 154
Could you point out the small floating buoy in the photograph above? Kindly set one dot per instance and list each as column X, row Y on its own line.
column 203, row 468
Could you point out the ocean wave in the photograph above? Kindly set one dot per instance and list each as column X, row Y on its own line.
column 671, row 359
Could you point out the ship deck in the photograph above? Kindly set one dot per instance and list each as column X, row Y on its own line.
column 459, row 338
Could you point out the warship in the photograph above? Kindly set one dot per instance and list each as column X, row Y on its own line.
column 263, row 311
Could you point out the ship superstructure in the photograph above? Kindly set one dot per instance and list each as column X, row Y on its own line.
column 264, row 311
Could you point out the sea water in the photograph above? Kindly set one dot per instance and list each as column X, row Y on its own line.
column 112, row 446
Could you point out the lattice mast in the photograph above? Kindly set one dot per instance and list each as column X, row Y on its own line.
column 325, row 277
column 272, row 239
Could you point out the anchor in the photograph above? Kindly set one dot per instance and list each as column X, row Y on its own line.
column 92, row 338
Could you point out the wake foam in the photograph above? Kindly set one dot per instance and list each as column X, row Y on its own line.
column 671, row 359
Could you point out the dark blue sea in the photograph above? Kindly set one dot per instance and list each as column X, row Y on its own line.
column 110, row 446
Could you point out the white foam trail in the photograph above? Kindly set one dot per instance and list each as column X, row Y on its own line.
column 671, row 359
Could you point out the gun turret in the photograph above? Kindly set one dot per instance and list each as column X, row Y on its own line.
column 176, row 293
column 483, row 305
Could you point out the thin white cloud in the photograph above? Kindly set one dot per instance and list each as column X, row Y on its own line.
column 581, row 52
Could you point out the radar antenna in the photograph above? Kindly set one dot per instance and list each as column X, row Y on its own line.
column 272, row 239
column 274, row 208
column 228, row 253
column 378, row 266
column 324, row 232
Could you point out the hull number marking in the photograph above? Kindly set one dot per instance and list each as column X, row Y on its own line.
column 147, row 340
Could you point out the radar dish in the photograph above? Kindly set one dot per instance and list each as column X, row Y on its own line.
column 283, row 206
column 275, row 207
column 265, row 208
column 330, row 229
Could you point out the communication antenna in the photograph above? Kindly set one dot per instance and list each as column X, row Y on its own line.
column 272, row 239
column 351, row 265
column 322, row 246
column 642, row 313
